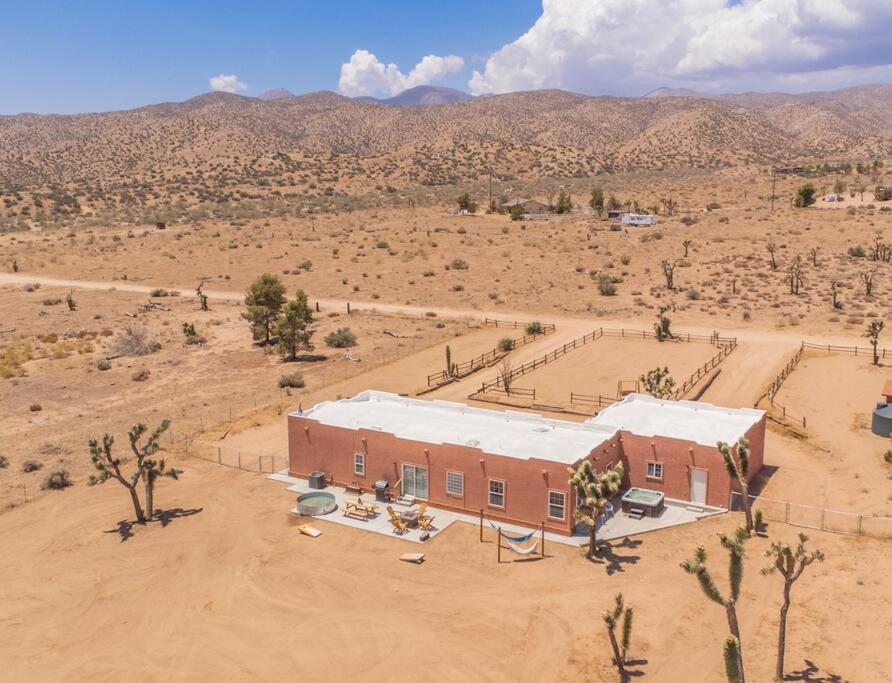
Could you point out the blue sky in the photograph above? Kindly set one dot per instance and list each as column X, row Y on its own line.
column 95, row 56
column 89, row 55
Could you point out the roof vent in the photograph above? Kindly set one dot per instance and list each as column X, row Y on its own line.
column 473, row 443
column 540, row 429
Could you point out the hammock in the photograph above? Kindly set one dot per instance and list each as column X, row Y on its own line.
column 523, row 551
column 516, row 539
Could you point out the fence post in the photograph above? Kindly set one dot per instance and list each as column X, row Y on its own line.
column 239, row 459
column 787, row 513
column 823, row 510
column 859, row 524
column 219, row 456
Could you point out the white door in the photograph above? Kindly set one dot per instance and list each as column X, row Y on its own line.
column 698, row 486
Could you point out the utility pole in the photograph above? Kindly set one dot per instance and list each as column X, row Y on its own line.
column 773, row 181
column 490, row 189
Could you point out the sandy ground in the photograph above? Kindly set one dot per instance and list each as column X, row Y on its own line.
column 228, row 589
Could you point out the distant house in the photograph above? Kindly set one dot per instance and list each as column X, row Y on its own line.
column 615, row 214
column 529, row 206
column 638, row 219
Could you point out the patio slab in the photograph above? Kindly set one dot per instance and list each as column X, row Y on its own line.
column 617, row 526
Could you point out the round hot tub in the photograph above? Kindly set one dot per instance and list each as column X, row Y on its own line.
column 316, row 503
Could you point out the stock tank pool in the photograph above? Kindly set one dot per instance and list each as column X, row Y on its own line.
column 316, row 503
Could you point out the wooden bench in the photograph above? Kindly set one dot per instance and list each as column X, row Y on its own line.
column 353, row 488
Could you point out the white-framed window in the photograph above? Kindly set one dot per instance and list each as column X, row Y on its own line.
column 496, row 493
column 654, row 470
column 359, row 464
column 455, row 483
column 557, row 504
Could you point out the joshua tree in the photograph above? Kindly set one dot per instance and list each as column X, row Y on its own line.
column 687, row 244
column 738, row 466
column 658, row 382
column 874, row 328
column 734, row 544
column 662, row 326
column 669, row 272
column 611, row 618
column 69, row 299
column 293, row 329
column 867, row 278
column 148, row 469
column 669, row 205
column 202, row 297
column 772, row 249
column 593, row 491
column 790, row 563
column 264, row 302
column 813, row 254
column 795, row 276
column 505, row 375
column 834, row 293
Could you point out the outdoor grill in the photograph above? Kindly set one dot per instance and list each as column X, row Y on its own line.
column 382, row 490
column 317, row 480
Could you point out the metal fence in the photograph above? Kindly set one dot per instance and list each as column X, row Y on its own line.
column 817, row 518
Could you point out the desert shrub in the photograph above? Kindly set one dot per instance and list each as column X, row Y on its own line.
column 457, row 288
column 341, row 338
column 506, row 344
column 534, row 327
column 35, row 407
column 159, row 292
column 4, row 462
column 381, row 244
column 52, row 302
column 56, row 480
column 887, row 456
column 606, row 288
column 458, row 264
column 134, row 341
column 141, row 375
column 857, row 251
column 306, row 265
column 625, row 259
column 292, row 380
column 103, row 364
column 31, row 465
column 687, row 220
column 693, row 294
column 712, row 206
column 12, row 359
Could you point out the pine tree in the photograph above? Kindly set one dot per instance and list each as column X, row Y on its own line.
column 264, row 302
column 293, row 329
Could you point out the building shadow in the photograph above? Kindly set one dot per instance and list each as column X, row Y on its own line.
column 812, row 673
column 125, row 528
column 760, row 481
column 614, row 561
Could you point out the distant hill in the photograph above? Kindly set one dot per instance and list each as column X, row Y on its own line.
column 422, row 95
column 276, row 94
column 218, row 147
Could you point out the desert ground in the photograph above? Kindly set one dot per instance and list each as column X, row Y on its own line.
column 222, row 584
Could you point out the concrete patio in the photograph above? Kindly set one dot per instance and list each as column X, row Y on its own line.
column 618, row 525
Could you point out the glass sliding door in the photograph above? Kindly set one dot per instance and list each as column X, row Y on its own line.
column 415, row 481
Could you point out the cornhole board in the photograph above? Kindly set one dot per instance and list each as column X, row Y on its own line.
column 417, row 558
column 308, row 530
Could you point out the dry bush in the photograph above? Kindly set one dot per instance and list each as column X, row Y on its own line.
column 134, row 341
column 56, row 480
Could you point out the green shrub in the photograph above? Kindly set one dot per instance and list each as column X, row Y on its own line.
column 341, row 338
column 506, row 344
column 458, row 264
column 293, row 380
column 606, row 288
column 534, row 327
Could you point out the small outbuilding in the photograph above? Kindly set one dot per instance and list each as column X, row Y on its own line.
column 638, row 219
column 887, row 391
column 529, row 206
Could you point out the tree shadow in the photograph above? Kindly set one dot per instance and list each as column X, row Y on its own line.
column 125, row 528
column 812, row 673
column 633, row 673
column 606, row 554
column 310, row 358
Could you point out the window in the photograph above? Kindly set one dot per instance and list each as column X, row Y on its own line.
column 497, row 493
column 557, row 504
column 654, row 470
column 359, row 464
column 455, row 483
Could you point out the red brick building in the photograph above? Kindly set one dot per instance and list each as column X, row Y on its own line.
column 514, row 465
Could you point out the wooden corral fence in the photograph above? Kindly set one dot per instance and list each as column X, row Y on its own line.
column 818, row 518
column 516, row 392
column 595, row 402
column 781, row 415
column 726, row 346
column 715, row 339
column 465, row 368
column 546, row 327
column 725, row 349
column 854, row 350
column 550, row 357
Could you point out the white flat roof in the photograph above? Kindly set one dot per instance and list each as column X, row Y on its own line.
column 508, row 433
column 701, row 423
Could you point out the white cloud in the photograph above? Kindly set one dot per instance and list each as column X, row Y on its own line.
column 227, row 83
column 629, row 46
column 365, row 74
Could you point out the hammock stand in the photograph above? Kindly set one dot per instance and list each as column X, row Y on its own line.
column 511, row 542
